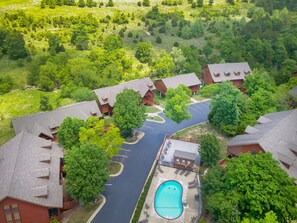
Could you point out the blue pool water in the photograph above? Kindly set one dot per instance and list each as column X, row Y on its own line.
column 168, row 199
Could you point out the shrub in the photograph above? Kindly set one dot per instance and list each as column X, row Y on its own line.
column 130, row 34
column 158, row 40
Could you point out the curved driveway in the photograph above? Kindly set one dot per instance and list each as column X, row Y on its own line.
column 122, row 192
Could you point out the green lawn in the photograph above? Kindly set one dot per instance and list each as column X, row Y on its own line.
column 199, row 97
column 151, row 109
column 20, row 103
column 114, row 168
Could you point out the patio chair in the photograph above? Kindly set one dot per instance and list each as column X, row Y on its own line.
column 182, row 172
column 146, row 206
column 191, row 186
column 187, row 173
column 161, row 171
column 176, row 171
column 192, row 182
column 143, row 221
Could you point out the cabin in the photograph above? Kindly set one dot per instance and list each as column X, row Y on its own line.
column 46, row 124
column 275, row 133
column 234, row 72
column 107, row 96
column 179, row 153
column 30, row 189
column 189, row 80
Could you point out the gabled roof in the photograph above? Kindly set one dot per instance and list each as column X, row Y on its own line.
column 184, row 79
column 278, row 135
column 43, row 122
column 108, row 95
column 185, row 155
column 229, row 71
column 25, row 177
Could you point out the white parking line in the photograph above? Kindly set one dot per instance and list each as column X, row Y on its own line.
column 126, row 150
column 122, row 156
column 147, row 126
column 193, row 108
column 108, row 184
column 205, row 106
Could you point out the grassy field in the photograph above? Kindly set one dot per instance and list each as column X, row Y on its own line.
column 19, row 103
column 197, row 131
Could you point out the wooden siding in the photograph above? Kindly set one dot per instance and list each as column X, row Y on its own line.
column 148, row 98
column 29, row 213
column 161, row 87
column 236, row 150
column 105, row 109
column 206, row 76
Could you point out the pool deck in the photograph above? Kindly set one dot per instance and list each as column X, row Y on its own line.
column 190, row 209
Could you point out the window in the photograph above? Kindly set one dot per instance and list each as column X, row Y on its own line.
column 7, row 213
column 53, row 212
column 16, row 213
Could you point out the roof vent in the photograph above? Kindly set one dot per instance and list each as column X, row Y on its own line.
column 263, row 120
column 46, row 157
column 40, row 192
column 250, row 130
column 216, row 74
column 246, row 72
column 237, row 73
column 227, row 74
column 42, row 173
column 47, row 144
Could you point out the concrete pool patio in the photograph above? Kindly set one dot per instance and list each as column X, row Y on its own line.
column 168, row 173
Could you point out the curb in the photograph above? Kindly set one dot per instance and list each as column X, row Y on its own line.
column 118, row 173
column 150, row 120
column 97, row 210
column 132, row 143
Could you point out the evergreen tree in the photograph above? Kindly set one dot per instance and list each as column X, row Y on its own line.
column 42, row 4
column 110, row 3
column 146, row 3
column 44, row 103
column 81, row 3
column 15, row 45
column 210, row 2
column 200, row 3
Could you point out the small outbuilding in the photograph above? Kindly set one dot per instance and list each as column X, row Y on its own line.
column 189, row 80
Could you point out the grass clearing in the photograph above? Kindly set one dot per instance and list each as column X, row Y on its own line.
column 195, row 132
column 20, row 103
column 114, row 167
column 198, row 97
column 151, row 109
column 156, row 118
column 81, row 213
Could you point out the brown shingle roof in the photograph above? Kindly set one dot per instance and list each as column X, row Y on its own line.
column 43, row 122
column 278, row 136
column 24, row 177
column 108, row 95
column 184, row 79
column 229, row 71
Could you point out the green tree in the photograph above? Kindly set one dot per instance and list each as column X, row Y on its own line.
column 54, row 44
column 86, row 167
column 163, row 65
column 6, row 84
column 81, row 3
column 226, row 108
column 45, row 104
column 197, row 28
column 210, row 2
column 146, row 3
column 259, row 184
column 129, row 113
column 209, row 149
column 179, row 60
column 158, row 40
column 112, row 42
column 42, row 4
column 109, row 141
column 15, row 45
column 258, row 80
column 270, row 217
column 177, row 101
column 82, row 94
column 110, row 3
column 68, row 133
column 231, row 2
column 144, row 52
column 200, row 3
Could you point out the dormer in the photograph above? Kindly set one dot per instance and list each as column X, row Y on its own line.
column 227, row 74
column 150, row 86
column 93, row 112
column 41, row 173
column 263, row 120
column 53, row 125
column 40, row 192
column 237, row 73
column 250, row 130
column 45, row 158
column 47, row 144
column 246, row 72
column 105, row 99
column 216, row 74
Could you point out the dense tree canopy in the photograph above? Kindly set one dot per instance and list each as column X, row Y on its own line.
column 86, row 167
column 68, row 133
column 226, row 108
column 249, row 187
column 109, row 141
column 144, row 52
column 177, row 100
column 209, row 149
column 129, row 113
column 15, row 45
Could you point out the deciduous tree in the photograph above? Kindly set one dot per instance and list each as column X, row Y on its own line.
column 45, row 104
column 86, row 167
column 15, row 45
column 144, row 52
column 129, row 113
column 210, row 149
column 68, row 133
column 177, row 100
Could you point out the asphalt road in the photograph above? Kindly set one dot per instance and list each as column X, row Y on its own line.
column 122, row 192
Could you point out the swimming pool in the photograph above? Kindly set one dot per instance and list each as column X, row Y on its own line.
column 168, row 199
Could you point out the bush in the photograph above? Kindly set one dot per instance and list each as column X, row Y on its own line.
column 158, row 40
column 83, row 94
column 6, row 85
column 130, row 34
column 209, row 90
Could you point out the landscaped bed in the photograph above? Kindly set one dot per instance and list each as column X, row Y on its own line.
column 156, row 118
column 114, row 168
